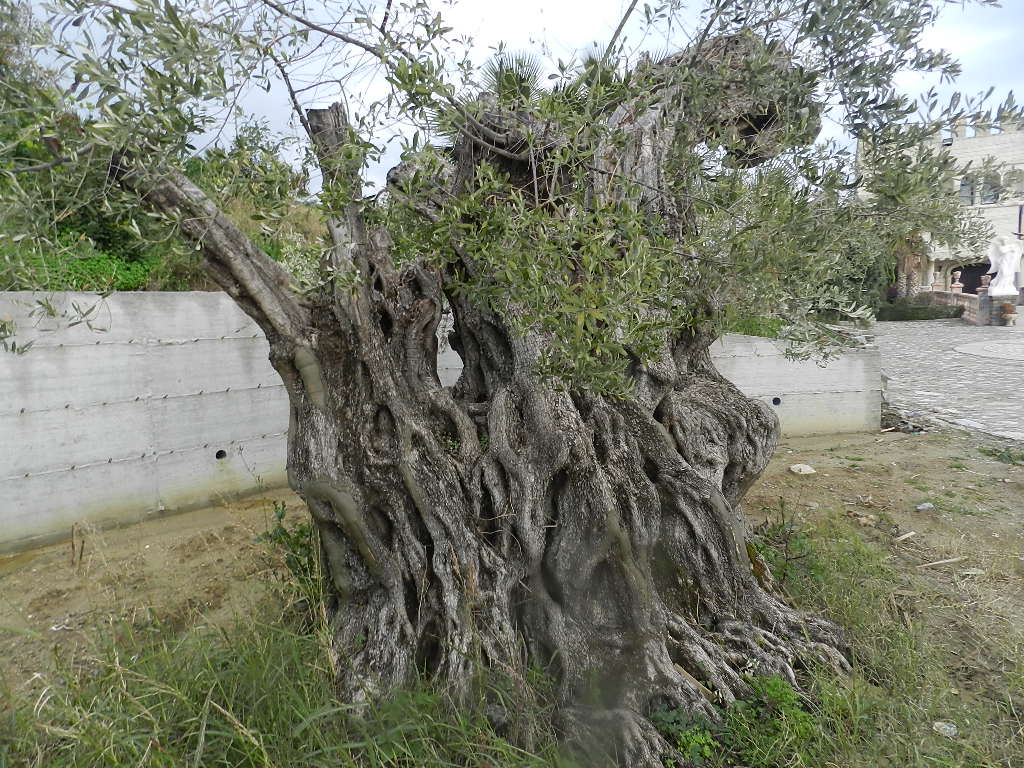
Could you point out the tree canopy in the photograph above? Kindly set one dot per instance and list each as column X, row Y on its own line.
column 769, row 222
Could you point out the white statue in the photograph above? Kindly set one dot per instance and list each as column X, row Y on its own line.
column 1004, row 257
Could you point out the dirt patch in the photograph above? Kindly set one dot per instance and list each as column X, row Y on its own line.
column 169, row 573
column 951, row 517
column 966, row 548
column 934, row 497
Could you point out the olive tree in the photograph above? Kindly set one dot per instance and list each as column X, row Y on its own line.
column 572, row 503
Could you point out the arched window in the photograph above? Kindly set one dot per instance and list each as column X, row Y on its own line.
column 990, row 187
column 966, row 191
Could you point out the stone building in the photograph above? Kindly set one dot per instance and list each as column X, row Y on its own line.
column 996, row 195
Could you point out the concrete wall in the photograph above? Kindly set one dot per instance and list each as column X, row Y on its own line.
column 844, row 396
column 112, row 426
column 169, row 403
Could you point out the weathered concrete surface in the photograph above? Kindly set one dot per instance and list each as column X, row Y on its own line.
column 845, row 396
column 166, row 403
column 935, row 372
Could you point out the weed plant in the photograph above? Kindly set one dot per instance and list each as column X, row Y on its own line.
column 1006, row 454
column 297, row 546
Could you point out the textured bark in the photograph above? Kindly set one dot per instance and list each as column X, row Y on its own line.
column 599, row 539
column 503, row 523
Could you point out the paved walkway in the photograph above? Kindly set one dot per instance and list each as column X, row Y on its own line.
column 949, row 371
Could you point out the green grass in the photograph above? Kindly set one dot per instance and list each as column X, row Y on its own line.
column 1004, row 455
column 751, row 325
column 259, row 694
column 78, row 265
column 907, row 671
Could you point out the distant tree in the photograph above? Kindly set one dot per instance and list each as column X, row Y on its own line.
column 919, row 179
column 572, row 503
column 72, row 227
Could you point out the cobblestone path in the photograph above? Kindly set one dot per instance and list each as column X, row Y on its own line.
column 958, row 373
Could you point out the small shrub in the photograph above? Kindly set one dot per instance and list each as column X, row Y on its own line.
column 690, row 734
column 75, row 265
column 772, row 728
column 297, row 547
column 905, row 309
column 784, row 544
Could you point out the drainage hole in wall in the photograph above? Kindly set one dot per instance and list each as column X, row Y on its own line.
column 221, row 454
column 776, row 401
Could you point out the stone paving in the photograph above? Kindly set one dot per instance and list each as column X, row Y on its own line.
column 948, row 371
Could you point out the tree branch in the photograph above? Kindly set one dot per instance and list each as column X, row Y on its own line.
column 292, row 95
column 58, row 160
column 371, row 49
column 261, row 285
column 618, row 31
column 380, row 53
column 330, row 131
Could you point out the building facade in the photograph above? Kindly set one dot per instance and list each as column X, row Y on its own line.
column 995, row 194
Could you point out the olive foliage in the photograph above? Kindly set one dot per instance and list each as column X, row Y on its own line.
column 770, row 220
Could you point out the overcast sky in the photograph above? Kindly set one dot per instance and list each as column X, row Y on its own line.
column 988, row 41
column 989, row 44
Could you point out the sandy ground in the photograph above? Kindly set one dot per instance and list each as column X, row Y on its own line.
column 206, row 566
column 170, row 573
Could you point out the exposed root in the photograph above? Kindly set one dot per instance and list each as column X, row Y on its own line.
column 778, row 643
column 618, row 737
column 705, row 658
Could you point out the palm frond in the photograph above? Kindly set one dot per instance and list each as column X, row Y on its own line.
column 516, row 78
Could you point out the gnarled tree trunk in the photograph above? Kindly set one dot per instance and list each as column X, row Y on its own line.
column 504, row 522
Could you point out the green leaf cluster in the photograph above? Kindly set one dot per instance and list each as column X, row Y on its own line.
column 752, row 214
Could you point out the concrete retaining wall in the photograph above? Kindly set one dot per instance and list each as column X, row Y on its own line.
column 173, row 405
column 844, row 396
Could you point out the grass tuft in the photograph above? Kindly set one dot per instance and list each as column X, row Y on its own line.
column 258, row 695
column 909, row 669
